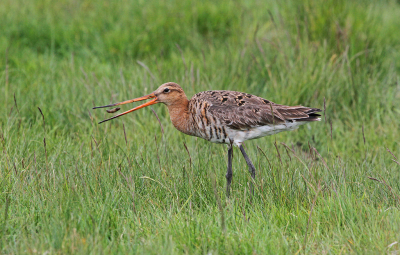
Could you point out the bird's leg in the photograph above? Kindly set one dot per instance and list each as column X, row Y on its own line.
column 229, row 172
column 252, row 169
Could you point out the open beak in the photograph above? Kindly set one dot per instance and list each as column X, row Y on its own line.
column 152, row 95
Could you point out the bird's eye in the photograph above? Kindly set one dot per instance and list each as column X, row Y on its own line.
column 166, row 90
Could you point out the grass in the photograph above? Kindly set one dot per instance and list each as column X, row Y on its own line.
column 69, row 185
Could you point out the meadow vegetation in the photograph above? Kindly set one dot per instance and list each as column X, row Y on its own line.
column 69, row 185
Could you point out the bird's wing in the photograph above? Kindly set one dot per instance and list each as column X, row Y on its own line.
column 242, row 111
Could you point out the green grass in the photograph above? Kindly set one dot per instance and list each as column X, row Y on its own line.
column 88, row 190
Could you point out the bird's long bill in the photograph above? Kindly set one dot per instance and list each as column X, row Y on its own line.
column 152, row 95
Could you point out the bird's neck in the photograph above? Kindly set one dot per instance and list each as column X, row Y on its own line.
column 180, row 116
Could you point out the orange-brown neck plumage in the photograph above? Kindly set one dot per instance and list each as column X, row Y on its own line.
column 180, row 116
column 173, row 96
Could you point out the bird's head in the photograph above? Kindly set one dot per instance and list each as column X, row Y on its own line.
column 169, row 94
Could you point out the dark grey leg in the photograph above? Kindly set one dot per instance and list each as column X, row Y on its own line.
column 229, row 172
column 252, row 169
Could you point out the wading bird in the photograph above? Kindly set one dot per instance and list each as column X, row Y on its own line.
column 226, row 117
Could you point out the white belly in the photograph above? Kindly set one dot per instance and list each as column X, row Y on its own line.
column 239, row 136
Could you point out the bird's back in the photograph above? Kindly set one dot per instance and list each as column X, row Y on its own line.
column 224, row 116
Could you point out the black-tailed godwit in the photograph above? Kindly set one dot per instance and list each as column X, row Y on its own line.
column 226, row 117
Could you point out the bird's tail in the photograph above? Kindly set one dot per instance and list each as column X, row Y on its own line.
column 312, row 115
column 299, row 113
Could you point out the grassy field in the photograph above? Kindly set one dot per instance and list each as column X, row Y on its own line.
column 69, row 185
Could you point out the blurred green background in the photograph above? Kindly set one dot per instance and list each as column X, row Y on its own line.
column 69, row 185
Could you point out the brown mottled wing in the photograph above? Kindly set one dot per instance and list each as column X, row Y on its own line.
column 243, row 111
